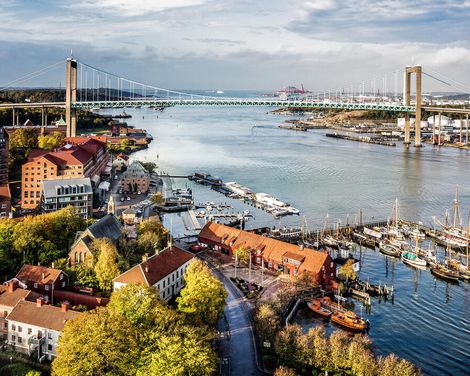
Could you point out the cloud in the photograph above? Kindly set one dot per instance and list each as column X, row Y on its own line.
column 128, row 8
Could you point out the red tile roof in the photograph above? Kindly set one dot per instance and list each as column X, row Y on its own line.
column 10, row 299
column 271, row 249
column 45, row 316
column 5, row 191
column 35, row 153
column 38, row 274
column 156, row 267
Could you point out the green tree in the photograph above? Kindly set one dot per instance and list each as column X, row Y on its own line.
column 96, row 343
column 204, row 295
column 9, row 258
column 126, row 143
column 24, row 138
column 151, row 236
column 106, row 265
column 149, row 166
column 51, row 141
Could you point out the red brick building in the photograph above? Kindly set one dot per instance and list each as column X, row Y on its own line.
column 272, row 254
column 42, row 280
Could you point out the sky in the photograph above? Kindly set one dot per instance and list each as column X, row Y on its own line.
column 240, row 44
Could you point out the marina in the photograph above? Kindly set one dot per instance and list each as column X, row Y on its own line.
column 312, row 176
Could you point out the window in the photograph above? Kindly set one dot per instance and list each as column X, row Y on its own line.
column 13, row 338
column 30, row 330
column 47, row 287
column 49, row 335
column 13, row 327
column 20, row 340
column 49, row 347
column 35, row 285
column 20, row 329
column 63, row 284
column 61, row 277
column 163, row 284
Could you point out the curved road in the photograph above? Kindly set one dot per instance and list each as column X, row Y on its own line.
column 238, row 347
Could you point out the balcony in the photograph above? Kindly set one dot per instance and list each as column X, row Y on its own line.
column 36, row 341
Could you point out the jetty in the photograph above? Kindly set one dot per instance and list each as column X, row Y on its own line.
column 366, row 139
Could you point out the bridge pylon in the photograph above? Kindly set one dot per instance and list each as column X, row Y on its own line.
column 71, row 96
column 409, row 70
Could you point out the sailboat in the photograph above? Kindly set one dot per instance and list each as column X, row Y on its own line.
column 412, row 258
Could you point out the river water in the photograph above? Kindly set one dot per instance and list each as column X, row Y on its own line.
column 429, row 320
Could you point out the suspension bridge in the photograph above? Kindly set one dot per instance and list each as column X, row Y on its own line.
column 89, row 88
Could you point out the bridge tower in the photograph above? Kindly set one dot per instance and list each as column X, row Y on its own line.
column 71, row 96
column 409, row 70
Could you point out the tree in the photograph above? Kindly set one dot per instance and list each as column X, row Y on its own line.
column 24, row 138
column 183, row 352
column 203, row 297
column 242, row 254
column 347, row 270
column 149, row 166
column 339, row 343
column 288, row 345
column 9, row 258
column 106, row 265
column 126, row 143
column 267, row 321
column 284, row 371
column 320, row 357
column 151, row 235
column 50, row 141
column 96, row 343
column 157, row 199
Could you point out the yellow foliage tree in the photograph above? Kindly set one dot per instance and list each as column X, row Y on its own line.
column 106, row 267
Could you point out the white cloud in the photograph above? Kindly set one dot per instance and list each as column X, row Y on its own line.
column 127, row 8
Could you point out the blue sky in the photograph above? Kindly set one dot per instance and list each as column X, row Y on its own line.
column 224, row 44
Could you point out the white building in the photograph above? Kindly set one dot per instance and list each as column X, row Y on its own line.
column 60, row 193
column 34, row 327
column 269, row 200
column 164, row 271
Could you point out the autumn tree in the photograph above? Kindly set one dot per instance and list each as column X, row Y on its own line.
column 106, row 265
column 339, row 343
column 50, row 141
column 242, row 254
column 267, row 322
column 347, row 270
column 157, row 199
column 203, row 297
column 284, row 371
column 288, row 345
column 9, row 258
column 96, row 343
column 319, row 356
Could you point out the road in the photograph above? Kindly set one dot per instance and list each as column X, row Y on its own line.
column 238, row 348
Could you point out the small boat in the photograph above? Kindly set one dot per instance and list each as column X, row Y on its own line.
column 350, row 321
column 413, row 260
column 316, row 306
column 390, row 250
column 442, row 271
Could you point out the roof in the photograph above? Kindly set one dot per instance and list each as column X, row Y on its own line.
column 50, row 185
column 10, row 299
column 135, row 169
column 35, row 153
column 79, row 140
column 46, row 316
column 128, row 211
column 106, row 227
column 38, row 274
column 5, row 191
column 61, row 121
column 156, row 267
column 123, row 156
column 271, row 249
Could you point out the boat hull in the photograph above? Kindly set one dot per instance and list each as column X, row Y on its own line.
column 359, row 326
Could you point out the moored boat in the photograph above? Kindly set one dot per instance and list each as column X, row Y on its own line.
column 413, row 260
column 444, row 272
column 316, row 306
column 390, row 250
column 349, row 320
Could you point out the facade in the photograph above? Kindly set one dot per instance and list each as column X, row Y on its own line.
column 34, row 327
column 164, row 271
column 42, row 280
column 272, row 254
column 107, row 227
column 87, row 159
column 135, row 179
column 10, row 295
column 60, row 193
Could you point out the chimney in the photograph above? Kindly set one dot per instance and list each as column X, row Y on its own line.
column 301, row 247
column 12, row 286
column 145, row 257
column 146, row 269
column 39, row 302
column 43, row 275
column 64, row 307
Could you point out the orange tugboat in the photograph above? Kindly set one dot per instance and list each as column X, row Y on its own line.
column 320, row 305
column 349, row 320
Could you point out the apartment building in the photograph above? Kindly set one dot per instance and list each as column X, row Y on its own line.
column 136, row 178
column 87, row 159
column 60, row 193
